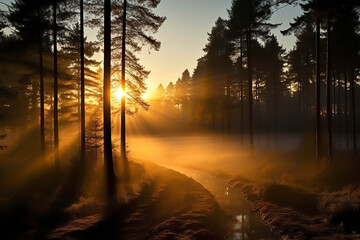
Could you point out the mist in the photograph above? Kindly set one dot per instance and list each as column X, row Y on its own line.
column 256, row 142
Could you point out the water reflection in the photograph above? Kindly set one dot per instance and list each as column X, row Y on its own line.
column 245, row 224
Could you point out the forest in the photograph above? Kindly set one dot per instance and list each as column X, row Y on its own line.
column 256, row 142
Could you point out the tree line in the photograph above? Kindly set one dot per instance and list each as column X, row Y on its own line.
column 50, row 77
column 246, row 82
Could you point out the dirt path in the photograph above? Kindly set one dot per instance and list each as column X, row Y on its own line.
column 168, row 206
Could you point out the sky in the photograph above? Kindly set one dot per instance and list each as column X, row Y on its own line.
column 184, row 35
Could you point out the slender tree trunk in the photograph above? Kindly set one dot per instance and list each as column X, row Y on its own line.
column 333, row 105
column 241, row 92
column 257, row 104
column 123, row 112
column 338, row 109
column 79, row 97
column 51, row 120
column 228, row 109
column 56, row 120
column 276, row 109
column 346, row 112
column 42, row 108
column 328, row 95
column 108, row 158
column 299, row 97
column 34, row 95
column 251, row 128
column 353, row 112
column 82, row 77
column 318, row 96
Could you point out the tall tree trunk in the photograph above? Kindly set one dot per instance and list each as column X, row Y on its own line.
column 251, row 127
column 51, row 120
column 42, row 108
column 328, row 95
column 257, row 105
column 123, row 112
column 82, row 76
column 108, row 158
column 318, row 96
column 338, row 107
column 299, row 97
column 228, row 109
column 276, row 108
column 241, row 92
column 353, row 112
column 346, row 112
column 56, row 120
column 34, row 100
column 79, row 97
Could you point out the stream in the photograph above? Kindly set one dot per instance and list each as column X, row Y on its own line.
column 245, row 224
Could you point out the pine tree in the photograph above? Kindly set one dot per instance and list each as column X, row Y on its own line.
column 248, row 20
column 108, row 158
column 29, row 20
column 138, row 29
column 219, row 67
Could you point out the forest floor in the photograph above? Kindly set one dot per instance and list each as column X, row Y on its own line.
column 296, row 197
column 159, row 204
column 295, row 213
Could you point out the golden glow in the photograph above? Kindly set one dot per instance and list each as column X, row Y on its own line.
column 119, row 94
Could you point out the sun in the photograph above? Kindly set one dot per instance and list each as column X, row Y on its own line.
column 119, row 93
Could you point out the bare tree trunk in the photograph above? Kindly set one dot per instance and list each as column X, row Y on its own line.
column 79, row 97
column 251, row 127
column 42, row 108
column 328, row 95
column 299, row 97
column 82, row 77
column 318, row 96
column 338, row 108
column 56, row 120
column 51, row 120
column 123, row 112
column 34, row 95
column 108, row 158
column 346, row 111
column 241, row 92
column 353, row 112
column 228, row 109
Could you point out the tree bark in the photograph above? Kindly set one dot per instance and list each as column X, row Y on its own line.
column 328, row 95
column 353, row 112
column 346, row 111
column 82, row 76
column 318, row 96
column 56, row 120
column 42, row 108
column 108, row 158
column 228, row 109
column 241, row 92
column 251, row 130
column 123, row 112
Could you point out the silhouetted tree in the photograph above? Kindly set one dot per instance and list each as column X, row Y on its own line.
column 108, row 159
column 29, row 20
column 182, row 94
column 169, row 97
column 219, row 68
column 135, row 33
column 248, row 19
column 82, row 77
